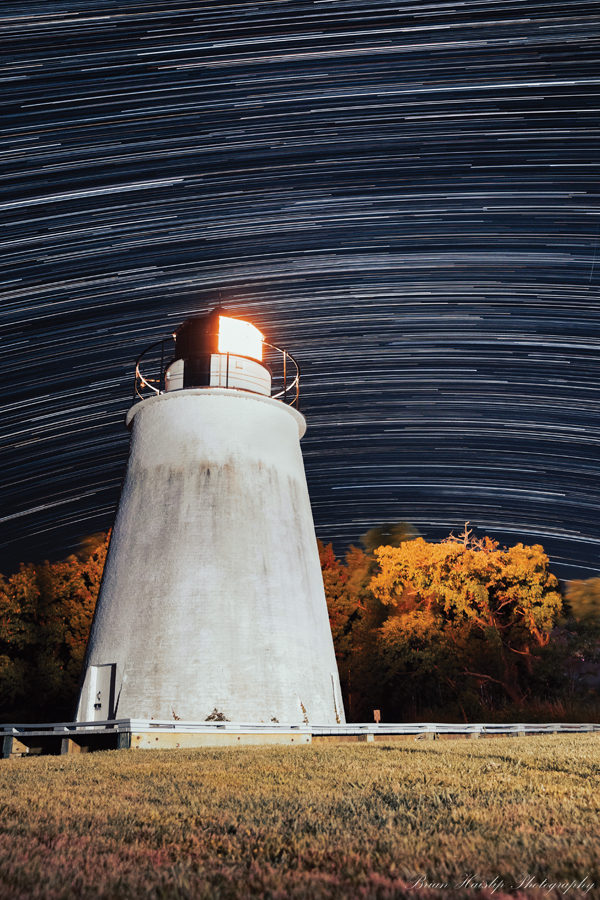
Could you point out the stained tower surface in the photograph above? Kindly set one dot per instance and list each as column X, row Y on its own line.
column 212, row 597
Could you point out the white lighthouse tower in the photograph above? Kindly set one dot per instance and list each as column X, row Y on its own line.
column 212, row 601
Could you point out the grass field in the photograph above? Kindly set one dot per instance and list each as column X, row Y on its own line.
column 332, row 821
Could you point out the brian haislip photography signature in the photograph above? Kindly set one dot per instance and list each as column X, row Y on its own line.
column 526, row 882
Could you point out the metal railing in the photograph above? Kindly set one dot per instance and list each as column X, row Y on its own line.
column 381, row 729
column 141, row 381
column 285, row 386
column 67, row 737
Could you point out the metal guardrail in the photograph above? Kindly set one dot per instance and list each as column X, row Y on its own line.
column 74, row 737
column 120, row 725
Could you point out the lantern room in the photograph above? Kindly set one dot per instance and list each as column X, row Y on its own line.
column 216, row 350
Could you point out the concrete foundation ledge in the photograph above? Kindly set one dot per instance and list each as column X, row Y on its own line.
column 136, row 734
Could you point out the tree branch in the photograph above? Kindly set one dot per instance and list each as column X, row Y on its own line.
column 512, row 693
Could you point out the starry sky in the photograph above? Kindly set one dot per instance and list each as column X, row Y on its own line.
column 404, row 195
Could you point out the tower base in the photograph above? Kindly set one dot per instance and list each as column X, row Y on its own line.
column 212, row 604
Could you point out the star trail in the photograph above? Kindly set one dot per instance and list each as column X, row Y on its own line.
column 403, row 195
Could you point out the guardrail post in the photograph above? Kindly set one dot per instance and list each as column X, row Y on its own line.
column 124, row 740
column 11, row 746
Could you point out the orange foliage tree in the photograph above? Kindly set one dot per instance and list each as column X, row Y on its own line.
column 354, row 616
column 484, row 614
column 461, row 627
column 45, row 618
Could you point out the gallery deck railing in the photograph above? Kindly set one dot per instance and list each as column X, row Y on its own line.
column 284, row 370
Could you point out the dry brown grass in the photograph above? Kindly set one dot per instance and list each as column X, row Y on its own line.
column 336, row 821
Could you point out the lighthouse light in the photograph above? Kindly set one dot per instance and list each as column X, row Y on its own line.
column 240, row 338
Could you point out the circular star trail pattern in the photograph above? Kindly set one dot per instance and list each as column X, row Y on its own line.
column 403, row 195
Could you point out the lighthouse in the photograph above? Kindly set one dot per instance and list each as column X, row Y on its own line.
column 212, row 603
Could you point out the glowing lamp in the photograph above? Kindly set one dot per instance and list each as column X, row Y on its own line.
column 216, row 350
column 240, row 338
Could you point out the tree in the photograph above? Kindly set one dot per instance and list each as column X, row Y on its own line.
column 580, row 634
column 583, row 599
column 344, row 584
column 390, row 534
column 465, row 619
column 354, row 614
column 45, row 618
column 19, row 599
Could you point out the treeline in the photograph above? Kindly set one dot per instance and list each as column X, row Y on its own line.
column 460, row 630
column 45, row 618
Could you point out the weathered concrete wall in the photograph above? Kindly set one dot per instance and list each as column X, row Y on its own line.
column 147, row 740
column 212, row 596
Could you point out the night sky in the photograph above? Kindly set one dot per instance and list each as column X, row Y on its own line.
column 404, row 195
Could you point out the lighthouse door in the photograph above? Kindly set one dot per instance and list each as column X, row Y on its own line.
column 103, row 681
